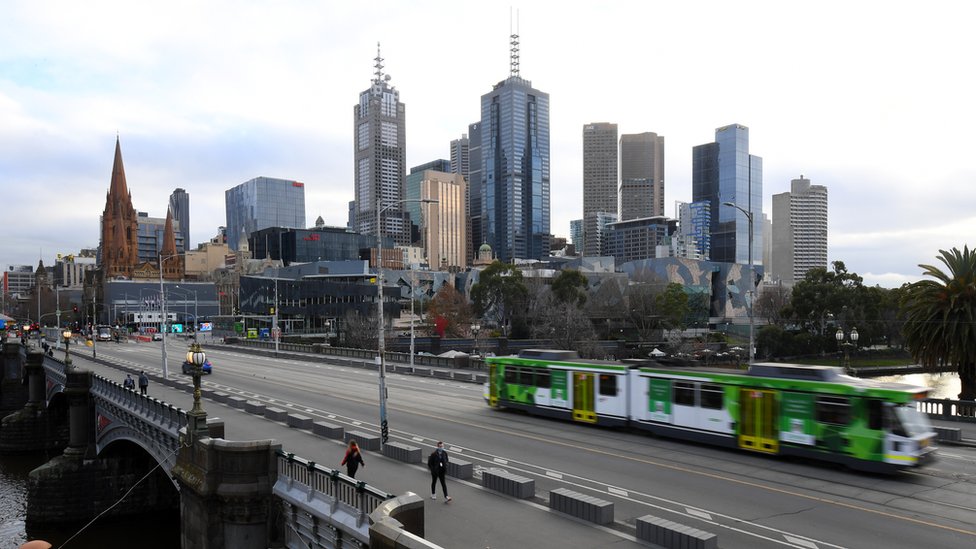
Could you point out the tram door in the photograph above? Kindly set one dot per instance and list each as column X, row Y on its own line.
column 493, row 385
column 757, row 424
column 584, row 385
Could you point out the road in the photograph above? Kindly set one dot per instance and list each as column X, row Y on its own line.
column 747, row 500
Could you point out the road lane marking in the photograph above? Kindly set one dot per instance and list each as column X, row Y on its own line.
column 618, row 491
column 418, row 439
column 801, row 542
column 697, row 513
column 554, row 474
column 500, row 461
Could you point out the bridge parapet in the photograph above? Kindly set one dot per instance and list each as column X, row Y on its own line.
column 948, row 409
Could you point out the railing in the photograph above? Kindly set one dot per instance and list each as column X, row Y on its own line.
column 948, row 409
column 370, row 354
column 161, row 414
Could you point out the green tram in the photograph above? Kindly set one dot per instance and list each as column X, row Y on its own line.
column 809, row 411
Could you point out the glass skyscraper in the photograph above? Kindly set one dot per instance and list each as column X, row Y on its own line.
column 724, row 171
column 514, row 179
column 179, row 204
column 263, row 202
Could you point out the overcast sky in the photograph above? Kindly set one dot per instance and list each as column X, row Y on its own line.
column 872, row 99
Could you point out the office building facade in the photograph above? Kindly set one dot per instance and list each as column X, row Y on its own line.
column 641, row 192
column 799, row 231
column 263, row 202
column 692, row 237
column 441, row 228
column 637, row 239
column 460, row 156
column 179, row 204
column 475, row 237
column 724, row 171
column 599, row 182
column 379, row 142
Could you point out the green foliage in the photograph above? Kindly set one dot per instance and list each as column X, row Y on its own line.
column 452, row 306
column 940, row 316
column 499, row 294
column 570, row 287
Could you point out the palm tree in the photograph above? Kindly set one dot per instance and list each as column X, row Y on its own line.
column 940, row 317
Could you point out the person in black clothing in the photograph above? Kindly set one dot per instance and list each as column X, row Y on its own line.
column 437, row 463
column 143, row 382
column 353, row 459
column 129, row 383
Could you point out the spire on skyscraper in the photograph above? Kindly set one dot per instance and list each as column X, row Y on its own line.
column 514, row 37
column 378, row 66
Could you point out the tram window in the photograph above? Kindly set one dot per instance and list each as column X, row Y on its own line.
column 511, row 374
column 542, row 379
column 834, row 410
column 684, row 393
column 711, row 396
column 525, row 376
column 875, row 414
column 608, row 385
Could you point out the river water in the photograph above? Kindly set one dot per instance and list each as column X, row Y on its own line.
column 163, row 532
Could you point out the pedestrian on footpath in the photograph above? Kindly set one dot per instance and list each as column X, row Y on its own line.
column 143, row 382
column 353, row 459
column 437, row 463
column 129, row 383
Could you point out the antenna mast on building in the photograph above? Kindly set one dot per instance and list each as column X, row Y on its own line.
column 378, row 66
column 514, row 37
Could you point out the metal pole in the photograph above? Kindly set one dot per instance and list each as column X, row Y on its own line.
column 413, row 283
column 94, row 330
column 381, row 343
column 57, row 293
column 752, row 296
column 162, row 318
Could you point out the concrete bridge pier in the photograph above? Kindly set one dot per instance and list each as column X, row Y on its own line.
column 34, row 427
column 226, row 493
column 13, row 393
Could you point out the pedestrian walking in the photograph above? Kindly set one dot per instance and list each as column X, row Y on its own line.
column 143, row 382
column 437, row 463
column 129, row 383
column 353, row 459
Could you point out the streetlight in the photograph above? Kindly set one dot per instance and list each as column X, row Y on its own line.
column 846, row 347
column 381, row 342
column 195, row 317
column 752, row 282
column 67, row 341
column 162, row 309
column 475, row 328
column 196, row 427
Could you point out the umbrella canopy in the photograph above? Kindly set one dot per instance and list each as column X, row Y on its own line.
column 657, row 352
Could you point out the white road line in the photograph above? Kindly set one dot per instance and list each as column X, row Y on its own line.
column 801, row 542
column 697, row 513
column 456, row 450
column 500, row 461
column 357, row 423
column 418, row 439
column 618, row 491
column 309, row 410
column 553, row 474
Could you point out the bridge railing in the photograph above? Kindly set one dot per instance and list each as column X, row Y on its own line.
column 160, row 413
column 948, row 409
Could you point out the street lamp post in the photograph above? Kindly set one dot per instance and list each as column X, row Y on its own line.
column 196, row 320
column 67, row 341
column 846, row 347
column 196, row 427
column 57, row 313
column 750, row 293
column 162, row 309
column 381, row 342
column 475, row 328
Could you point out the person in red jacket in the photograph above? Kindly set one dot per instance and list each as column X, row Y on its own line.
column 353, row 459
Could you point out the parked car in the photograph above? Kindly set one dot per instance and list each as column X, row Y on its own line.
column 157, row 336
column 207, row 367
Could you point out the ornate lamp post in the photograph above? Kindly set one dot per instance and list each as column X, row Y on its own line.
column 196, row 427
column 67, row 341
column 846, row 347
column 475, row 328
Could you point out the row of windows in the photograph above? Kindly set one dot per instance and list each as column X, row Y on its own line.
column 528, row 376
column 710, row 396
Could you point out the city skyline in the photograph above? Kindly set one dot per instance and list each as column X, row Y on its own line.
column 865, row 104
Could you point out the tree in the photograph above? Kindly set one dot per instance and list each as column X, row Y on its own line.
column 499, row 294
column 940, row 317
column 570, row 287
column 451, row 305
column 652, row 307
column 771, row 303
column 360, row 331
column 565, row 325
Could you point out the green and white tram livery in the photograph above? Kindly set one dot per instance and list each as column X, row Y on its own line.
column 780, row 409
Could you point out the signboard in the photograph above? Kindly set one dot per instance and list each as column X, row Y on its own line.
column 252, row 333
column 206, row 326
column 176, row 328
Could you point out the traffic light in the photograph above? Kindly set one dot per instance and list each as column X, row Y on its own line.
column 74, row 308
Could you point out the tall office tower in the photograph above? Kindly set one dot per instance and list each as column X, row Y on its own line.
column 595, row 233
column 692, row 235
column 475, row 238
column 724, row 171
column 641, row 176
column 152, row 234
column 515, row 167
column 411, row 191
column 767, row 253
column 799, row 231
column 379, row 139
column 599, row 180
column 119, row 247
column 576, row 233
column 179, row 204
column 263, row 202
column 443, row 230
column 460, row 157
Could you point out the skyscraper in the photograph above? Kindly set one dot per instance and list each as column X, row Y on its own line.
column 515, row 167
column 475, row 238
column 799, row 231
column 599, row 182
column 460, row 159
column 724, row 171
column 179, row 204
column 379, row 142
column 263, row 202
column 641, row 176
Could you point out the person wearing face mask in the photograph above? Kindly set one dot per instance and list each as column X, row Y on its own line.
column 437, row 463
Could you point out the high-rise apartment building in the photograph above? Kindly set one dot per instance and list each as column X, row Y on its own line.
column 460, row 156
column 515, row 168
column 179, row 204
column 641, row 176
column 724, row 171
column 475, row 238
column 799, row 231
column 263, row 202
column 599, row 182
column 379, row 142
column 693, row 226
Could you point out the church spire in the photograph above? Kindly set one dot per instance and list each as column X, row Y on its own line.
column 118, row 188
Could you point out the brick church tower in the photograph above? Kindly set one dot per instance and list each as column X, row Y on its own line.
column 172, row 266
column 120, row 227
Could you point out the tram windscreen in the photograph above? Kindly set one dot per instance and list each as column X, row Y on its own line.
column 914, row 422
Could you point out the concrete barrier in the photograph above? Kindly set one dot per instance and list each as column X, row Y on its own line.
column 463, row 376
column 948, row 434
column 220, row 396
column 508, row 484
column 672, row 535
column 442, row 374
column 458, row 468
column 254, row 407
column 402, row 452
column 298, row 421
column 275, row 414
column 328, row 430
column 366, row 441
column 236, row 402
column 581, row 506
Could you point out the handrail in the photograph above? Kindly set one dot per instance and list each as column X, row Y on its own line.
column 948, row 409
